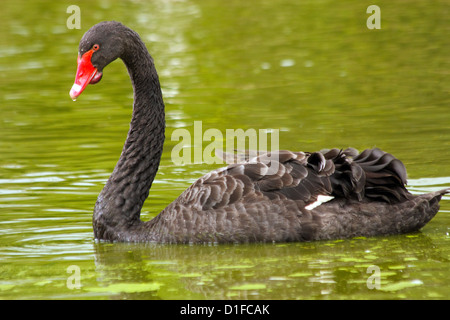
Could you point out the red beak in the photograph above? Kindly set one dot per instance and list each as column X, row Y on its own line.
column 86, row 73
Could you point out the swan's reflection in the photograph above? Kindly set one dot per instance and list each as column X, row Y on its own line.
column 310, row 270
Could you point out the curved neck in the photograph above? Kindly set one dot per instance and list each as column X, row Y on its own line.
column 119, row 204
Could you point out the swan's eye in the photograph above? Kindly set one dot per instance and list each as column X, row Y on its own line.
column 95, row 47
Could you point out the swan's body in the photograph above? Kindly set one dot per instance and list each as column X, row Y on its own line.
column 312, row 196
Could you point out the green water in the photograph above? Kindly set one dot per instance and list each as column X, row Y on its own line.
column 309, row 68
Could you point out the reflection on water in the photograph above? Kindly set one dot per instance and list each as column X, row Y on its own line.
column 310, row 69
column 285, row 271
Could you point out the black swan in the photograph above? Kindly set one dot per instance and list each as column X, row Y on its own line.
column 313, row 195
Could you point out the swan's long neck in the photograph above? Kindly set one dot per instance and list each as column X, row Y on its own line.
column 119, row 204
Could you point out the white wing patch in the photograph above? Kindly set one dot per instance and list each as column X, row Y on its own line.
column 320, row 199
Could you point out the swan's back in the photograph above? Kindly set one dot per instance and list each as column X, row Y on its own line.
column 312, row 196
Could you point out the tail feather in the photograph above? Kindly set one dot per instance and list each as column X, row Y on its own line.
column 372, row 173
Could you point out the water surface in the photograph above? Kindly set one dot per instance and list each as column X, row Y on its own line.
column 311, row 69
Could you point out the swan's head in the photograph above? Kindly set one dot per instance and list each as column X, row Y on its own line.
column 100, row 45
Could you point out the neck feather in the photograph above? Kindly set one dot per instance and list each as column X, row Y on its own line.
column 119, row 204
